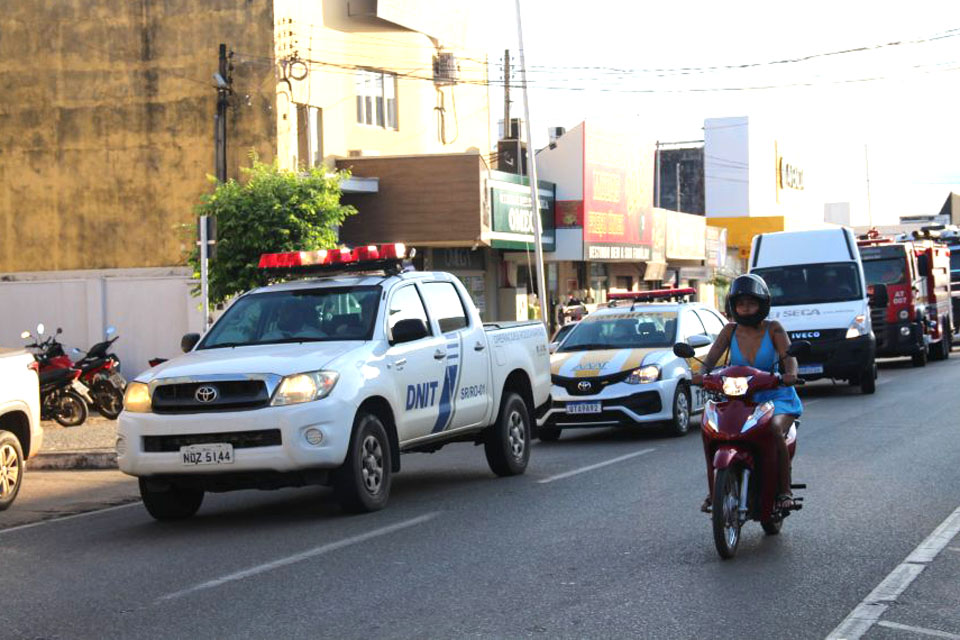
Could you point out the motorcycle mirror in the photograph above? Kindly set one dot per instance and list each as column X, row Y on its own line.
column 59, row 330
column 798, row 348
column 683, row 350
column 111, row 330
column 40, row 329
column 24, row 335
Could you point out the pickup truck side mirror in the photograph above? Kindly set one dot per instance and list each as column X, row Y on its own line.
column 189, row 341
column 879, row 297
column 798, row 348
column 699, row 341
column 683, row 350
column 409, row 330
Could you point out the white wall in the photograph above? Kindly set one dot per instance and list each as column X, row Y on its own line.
column 563, row 165
column 726, row 166
column 151, row 309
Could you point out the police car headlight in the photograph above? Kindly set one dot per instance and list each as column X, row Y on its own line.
column 305, row 387
column 858, row 327
column 137, row 398
column 643, row 375
column 735, row 386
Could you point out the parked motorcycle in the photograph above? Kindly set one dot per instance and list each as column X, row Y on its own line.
column 62, row 396
column 739, row 440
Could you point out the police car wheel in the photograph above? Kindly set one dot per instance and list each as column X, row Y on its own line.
column 680, row 423
column 507, row 441
column 169, row 502
column 362, row 483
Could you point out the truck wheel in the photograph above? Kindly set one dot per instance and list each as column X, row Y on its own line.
column 549, row 434
column 679, row 425
column 11, row 468
column 868, row 379
column 507, row 441
column 169, row 502
column 944, row 347
column 919, row 358
column 362, row 483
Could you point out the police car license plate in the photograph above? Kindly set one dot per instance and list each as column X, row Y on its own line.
column 197, row 454
column 809, row 369
column 583, row 407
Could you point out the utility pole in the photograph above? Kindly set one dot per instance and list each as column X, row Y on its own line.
column 678, row 184
column 506, row 93
column 866, row 159
column 224, row 82
column 534, row 187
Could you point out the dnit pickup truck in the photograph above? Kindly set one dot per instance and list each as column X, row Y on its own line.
column 328, row 381
column 20, row 432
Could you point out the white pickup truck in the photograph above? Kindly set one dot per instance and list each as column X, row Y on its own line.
column 20, row 431
column 327, row 381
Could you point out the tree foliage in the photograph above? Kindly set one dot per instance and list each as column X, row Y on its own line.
column 272, row 210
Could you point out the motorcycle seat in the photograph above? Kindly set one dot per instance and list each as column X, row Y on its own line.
column 56, row 375
column 89, row 365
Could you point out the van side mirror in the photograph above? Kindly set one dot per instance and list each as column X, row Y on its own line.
column 798, row 348
column 409, row 330
column 878, row 295
column 683, row 350
column 189, row 341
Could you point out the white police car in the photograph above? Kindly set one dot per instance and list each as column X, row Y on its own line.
column 617, row 367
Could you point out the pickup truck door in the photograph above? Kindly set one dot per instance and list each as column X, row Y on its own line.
column 466, row 397
column 417, row 367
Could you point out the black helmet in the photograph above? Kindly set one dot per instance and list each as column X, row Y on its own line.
column 751, row 285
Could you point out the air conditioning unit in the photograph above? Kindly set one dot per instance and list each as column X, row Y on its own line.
column 555, row 134
column 445, row 68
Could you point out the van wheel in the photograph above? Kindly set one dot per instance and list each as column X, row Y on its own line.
column 169, row 502
column 362, row 483
column 11, row 468
column 507, row 441
column 868, row 379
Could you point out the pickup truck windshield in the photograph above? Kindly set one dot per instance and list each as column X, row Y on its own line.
column 627, row 330
column 302, row 315
column 812, row 283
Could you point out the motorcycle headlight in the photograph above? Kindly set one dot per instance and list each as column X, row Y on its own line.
column 735, row 386
column 643, row 375
column 760, row 413
column 137, row 398
column 858, row 327
column 710, row 415
column 305, row 387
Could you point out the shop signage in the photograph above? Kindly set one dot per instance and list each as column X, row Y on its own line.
column 458, row 260
column 513, row 214
column 789, row 176
column 716, row 247
column 685, row 236
column 617, row 195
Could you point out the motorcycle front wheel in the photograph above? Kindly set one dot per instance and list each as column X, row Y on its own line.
column 726, row 512
column 108, row 400
column 70, row 410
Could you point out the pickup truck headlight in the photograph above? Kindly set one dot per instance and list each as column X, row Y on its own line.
column 858, row 327
column 305, row 387
column 137, row 398
column 643, row 375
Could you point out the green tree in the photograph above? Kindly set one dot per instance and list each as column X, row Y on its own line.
column 272, row 210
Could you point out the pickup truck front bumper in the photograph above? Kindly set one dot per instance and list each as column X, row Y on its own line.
column 269, row 440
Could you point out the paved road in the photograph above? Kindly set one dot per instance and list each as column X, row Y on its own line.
column 618, row 550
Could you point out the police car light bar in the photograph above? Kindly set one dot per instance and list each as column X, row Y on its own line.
column 656, row 294
column 360, row 258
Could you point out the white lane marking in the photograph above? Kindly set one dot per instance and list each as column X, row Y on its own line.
column 70, row 517
column 567, row 474
column 299, row 557
column 868, row 612
column 918, row 630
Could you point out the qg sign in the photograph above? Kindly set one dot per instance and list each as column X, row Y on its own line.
column 512, row 210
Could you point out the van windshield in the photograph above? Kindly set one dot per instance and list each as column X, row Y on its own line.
column 812, row 283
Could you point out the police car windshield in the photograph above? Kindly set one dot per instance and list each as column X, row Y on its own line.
column 626, row 330
column 812, row 283
column 300, row 315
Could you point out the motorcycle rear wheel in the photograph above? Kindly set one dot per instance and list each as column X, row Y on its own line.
column 70, row 410
column 726, row 512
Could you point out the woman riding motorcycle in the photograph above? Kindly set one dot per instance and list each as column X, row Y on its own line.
column 752, row 335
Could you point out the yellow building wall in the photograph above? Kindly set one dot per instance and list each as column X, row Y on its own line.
column 741, row 230
column 106, row 124
column 334, row 44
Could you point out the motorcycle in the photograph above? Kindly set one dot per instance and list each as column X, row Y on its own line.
column 738, row 441
column 62, row 396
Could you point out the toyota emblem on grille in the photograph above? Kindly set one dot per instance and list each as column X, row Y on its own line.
column 206, row 394
column 584, row 386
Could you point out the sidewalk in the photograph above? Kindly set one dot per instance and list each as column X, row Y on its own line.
column 92, row 445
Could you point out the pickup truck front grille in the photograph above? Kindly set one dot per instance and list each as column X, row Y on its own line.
column 239, row 440
column 227, row 395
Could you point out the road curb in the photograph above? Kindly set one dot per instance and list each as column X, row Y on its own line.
column 81, row 459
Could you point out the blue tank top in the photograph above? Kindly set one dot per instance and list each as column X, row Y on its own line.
column 785, row 399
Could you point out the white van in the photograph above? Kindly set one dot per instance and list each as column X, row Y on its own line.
column 819, row 294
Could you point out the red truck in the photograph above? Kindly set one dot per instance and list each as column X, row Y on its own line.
column 909, row 284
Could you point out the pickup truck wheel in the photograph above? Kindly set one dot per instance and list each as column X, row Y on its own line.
column 362, row 483
column 169, row 502
column 679, row 425
column 549, row 434
column 11, row 468
column 507, row 442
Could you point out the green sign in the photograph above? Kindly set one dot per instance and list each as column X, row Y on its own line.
column 513, row 214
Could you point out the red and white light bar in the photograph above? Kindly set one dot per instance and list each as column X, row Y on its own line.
column 334, row 257
column 652, row 295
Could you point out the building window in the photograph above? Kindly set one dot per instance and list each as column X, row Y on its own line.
column 309, row 136
column 376, row 98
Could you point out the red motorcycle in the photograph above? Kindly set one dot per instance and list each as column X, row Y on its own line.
column 744, row 474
